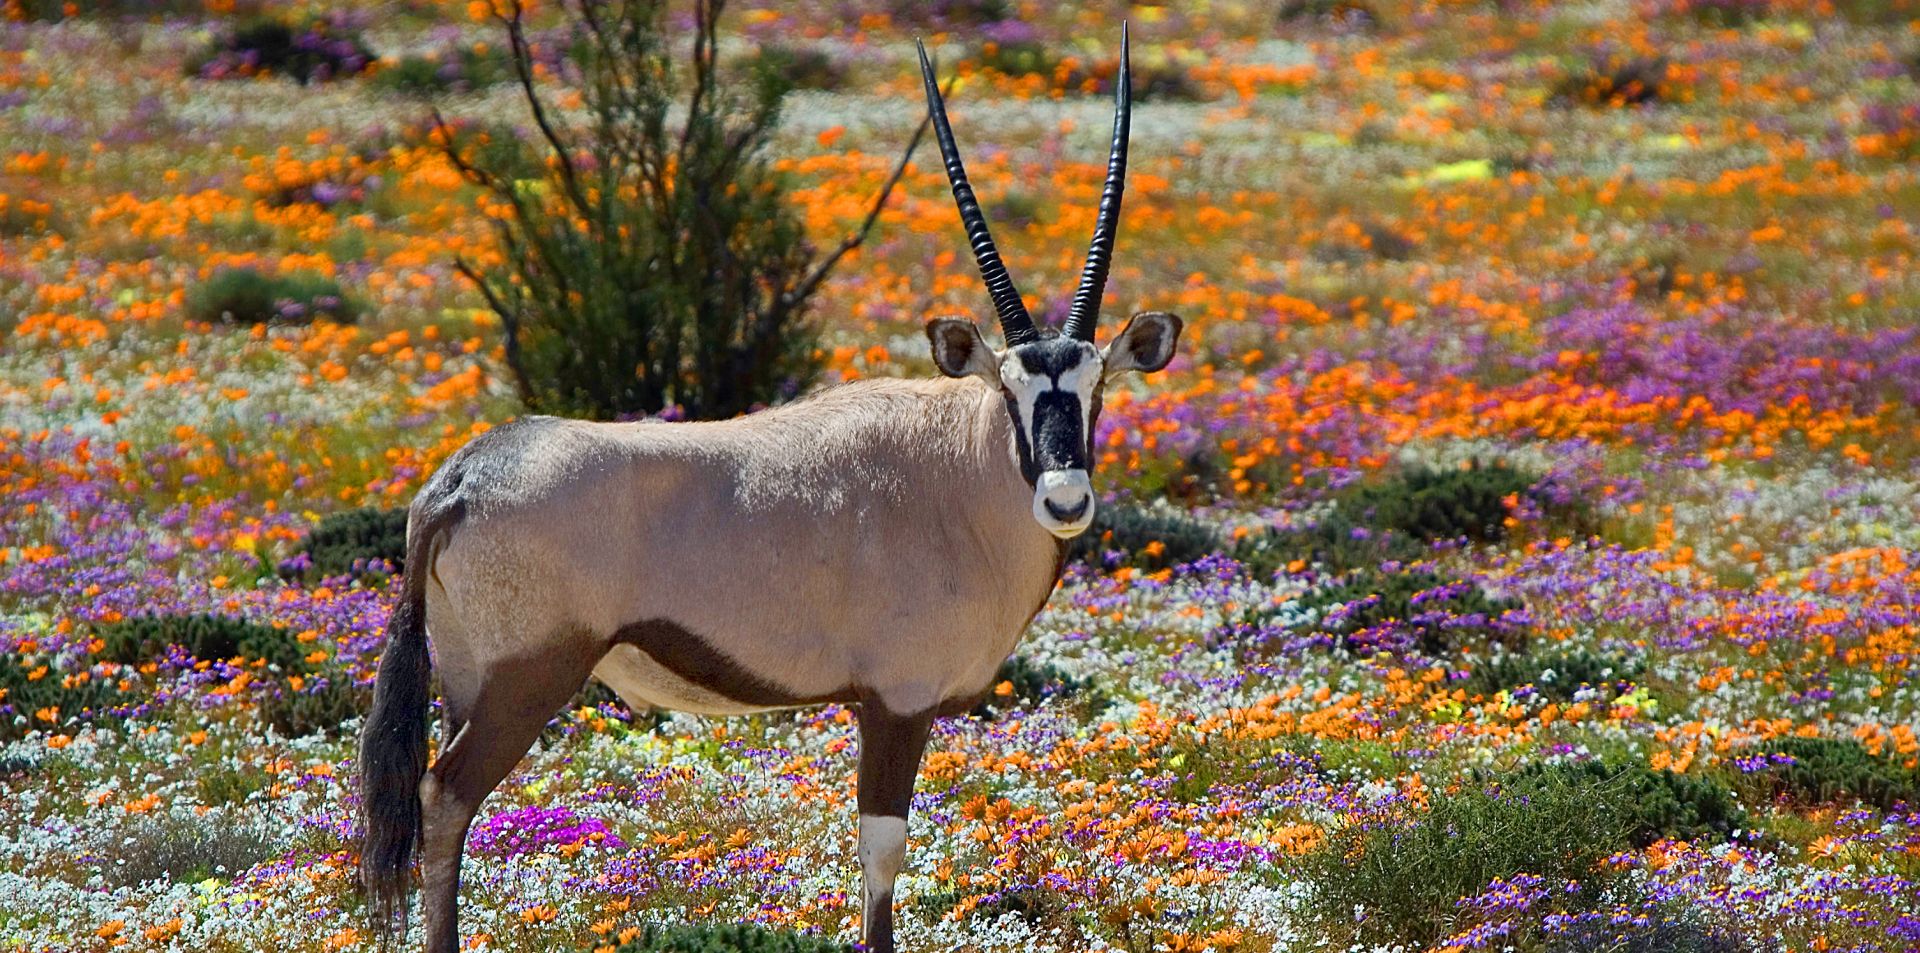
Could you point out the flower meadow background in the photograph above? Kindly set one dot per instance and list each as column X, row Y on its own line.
column 1651, row 261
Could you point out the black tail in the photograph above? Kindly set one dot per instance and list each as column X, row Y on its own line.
column 393, row 747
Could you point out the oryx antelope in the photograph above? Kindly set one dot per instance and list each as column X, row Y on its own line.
column 881, row 543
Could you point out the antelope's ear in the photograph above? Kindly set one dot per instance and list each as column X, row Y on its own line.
column 960, row 351
column 1146, row 344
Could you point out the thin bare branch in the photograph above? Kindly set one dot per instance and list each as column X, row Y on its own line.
column 523, row 68
column 812, row 281
column 509, row 321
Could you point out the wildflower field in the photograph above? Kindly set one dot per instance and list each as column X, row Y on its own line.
column 1521, row 554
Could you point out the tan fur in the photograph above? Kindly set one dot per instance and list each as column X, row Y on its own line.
column 875, row 536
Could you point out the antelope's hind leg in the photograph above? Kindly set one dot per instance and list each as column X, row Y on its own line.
column 491, row 725
column 890, row 750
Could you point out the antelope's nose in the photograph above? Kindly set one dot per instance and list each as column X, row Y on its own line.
column 1069, row 514
column 1063, row 502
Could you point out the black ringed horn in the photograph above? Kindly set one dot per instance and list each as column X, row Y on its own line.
column 1093, row 278
column 1015, row 323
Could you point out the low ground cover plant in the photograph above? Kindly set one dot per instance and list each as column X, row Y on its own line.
column 250, row 296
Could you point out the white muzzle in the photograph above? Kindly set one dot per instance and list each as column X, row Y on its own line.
column 1063, row 502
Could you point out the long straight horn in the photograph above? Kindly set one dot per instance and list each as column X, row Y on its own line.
column 1015, row 323
column 1093, row 278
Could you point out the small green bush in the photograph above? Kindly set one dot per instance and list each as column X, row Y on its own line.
column 1617, row 82
column 1352, row 14
column 34, row 683
column 1131, row 532
column 1659, row 804
column 728, row 938
column 366, row 543
column 1440, row 504
column 802, row 67
column 1405, row 878
column 142, row 638
column 1554, row 674
column 1033, row 682
column 1828, row 770
column 319, row 707
column 950, row 13
column 1438, row 614
column 247, row 296
column 311, row 52
column 1397, row 518
column 1334, row 544
column 20, row 215
column 1724, row 13
column 145, row 9
column 458, row 70
column 1018, row 58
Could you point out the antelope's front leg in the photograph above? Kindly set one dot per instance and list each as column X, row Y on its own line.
column 890, row 749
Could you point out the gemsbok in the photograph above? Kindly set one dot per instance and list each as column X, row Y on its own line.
column 882, row 543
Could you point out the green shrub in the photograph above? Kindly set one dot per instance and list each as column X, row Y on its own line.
column 144, row 9
column 320, row 706
column 670, row 271
column 1879, row 12
column 1133, row 532
column 1556, row 674
column 298, row 701
column 950, row 13
column 1397, row 518
column 1405, row 879
column 1032, row 905
column 1616, row 82
column 366, row 543
column 1334, row 544
column 1433, row 614
column 1440, row 504
column 457, row 70
column 32, row 684
column 1032, row 682
column 1828, row 770
column 142, row 638
column 1353, row 14
column 1659, row 804
column 1724, row 13
column 247, row 296
column 727, row 938
column 1018, row 58
column 802, row 67
column 311, row 52
column 20, row 215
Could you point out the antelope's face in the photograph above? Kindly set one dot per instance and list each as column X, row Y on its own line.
column 1052, row 388
column 1051, row 380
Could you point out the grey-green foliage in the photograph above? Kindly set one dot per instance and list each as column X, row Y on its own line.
column 1659, row 804
column 180, row 850
column 1408, row 877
